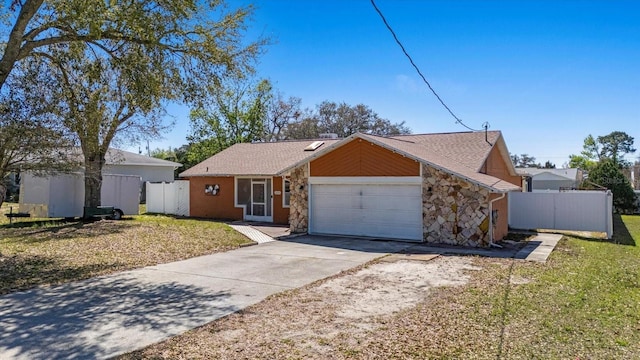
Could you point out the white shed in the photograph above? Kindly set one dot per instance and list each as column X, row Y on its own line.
column 62, row 195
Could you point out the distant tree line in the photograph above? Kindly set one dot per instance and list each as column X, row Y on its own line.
column 256, row 112
column 527, row 161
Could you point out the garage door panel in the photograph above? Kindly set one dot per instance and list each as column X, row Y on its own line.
column 386, row 211
column 385, row 217
column 391, row 203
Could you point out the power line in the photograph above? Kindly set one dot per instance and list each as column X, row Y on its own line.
column 458, row 120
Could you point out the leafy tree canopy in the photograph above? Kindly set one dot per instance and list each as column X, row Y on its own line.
column 344, row 120
column 117, row 63
column 30, row 140
column 608, row 174
column 524, row 161
column 613, row 146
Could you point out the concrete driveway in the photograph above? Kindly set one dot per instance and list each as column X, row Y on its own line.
column 110, row 315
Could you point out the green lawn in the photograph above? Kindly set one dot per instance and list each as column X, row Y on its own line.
column 34, row 252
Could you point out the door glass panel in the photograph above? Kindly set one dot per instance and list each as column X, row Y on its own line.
column 268, row 197
column 258, row 193
column 258, row 210
column 244, row 194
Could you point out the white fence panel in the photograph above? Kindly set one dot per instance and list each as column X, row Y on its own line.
column 182, row 198
column 155, row 197
column 122, row 192
column 169, row 194
column 168, row 198
column 570, row 210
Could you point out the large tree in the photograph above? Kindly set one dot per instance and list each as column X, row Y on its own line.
column 236, row 114
column 344, row 120
column 613, row 146
column 119, row 62
column 607, row 174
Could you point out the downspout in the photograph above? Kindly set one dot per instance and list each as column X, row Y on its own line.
column 491, row 243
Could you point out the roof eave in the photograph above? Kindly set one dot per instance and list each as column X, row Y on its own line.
column 183, row 175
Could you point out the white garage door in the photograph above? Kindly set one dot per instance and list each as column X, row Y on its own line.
column 383, row 211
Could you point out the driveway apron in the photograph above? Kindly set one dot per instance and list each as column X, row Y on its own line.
column 110, row 315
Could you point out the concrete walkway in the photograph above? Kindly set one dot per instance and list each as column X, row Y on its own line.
column 110, row 315
column 539, row 248
column 252, row 233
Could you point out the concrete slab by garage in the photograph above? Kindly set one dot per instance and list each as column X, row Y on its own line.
column 109, row 315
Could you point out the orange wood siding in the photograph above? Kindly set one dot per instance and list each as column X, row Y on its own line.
column 213, row 207
column 502, row 225
column 362, row 158
column 280, row 214
column 496, row 166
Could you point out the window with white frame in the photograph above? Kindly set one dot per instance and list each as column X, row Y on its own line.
column 286, row 193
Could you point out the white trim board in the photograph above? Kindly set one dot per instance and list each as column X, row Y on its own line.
column 383, row 180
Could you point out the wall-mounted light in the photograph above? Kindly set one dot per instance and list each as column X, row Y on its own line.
column 212, row 190
column 301, row 187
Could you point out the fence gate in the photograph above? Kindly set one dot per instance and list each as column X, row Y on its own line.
column 168, row 198
column 566, row 210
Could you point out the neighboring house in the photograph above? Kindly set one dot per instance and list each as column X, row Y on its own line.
column 148, row 168
column 552, row 179
column 439, row 188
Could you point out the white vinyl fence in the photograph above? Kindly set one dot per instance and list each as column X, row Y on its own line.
column 168, row 198
column 565, row 210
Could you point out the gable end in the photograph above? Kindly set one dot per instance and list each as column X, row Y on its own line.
column 363, row 158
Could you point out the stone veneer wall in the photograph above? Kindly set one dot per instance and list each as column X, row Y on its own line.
column 299, row 201
column 454, row 211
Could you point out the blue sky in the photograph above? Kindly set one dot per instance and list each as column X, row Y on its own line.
column 545, row 73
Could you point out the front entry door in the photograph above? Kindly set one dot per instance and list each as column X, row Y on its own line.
column 260, row 201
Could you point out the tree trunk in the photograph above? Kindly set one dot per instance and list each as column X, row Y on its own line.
column 13, row 47
column 93, row 179
column 3, row 193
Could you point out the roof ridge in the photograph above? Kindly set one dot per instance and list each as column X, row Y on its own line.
column 288, row 141
column 389, row 137
column 446, row 133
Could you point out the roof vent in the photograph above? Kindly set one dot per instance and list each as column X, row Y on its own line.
column 328, row 136
column 314, row 145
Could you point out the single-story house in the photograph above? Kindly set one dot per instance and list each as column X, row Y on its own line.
column 439, row 188
column 148, row 168
column 551, row 179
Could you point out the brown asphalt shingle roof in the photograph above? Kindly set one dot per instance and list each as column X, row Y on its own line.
column 255, row 158
column 467, row 148
column 461, row 154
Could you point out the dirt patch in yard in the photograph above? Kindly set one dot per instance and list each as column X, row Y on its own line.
column 385, row 288
column 322, row 320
